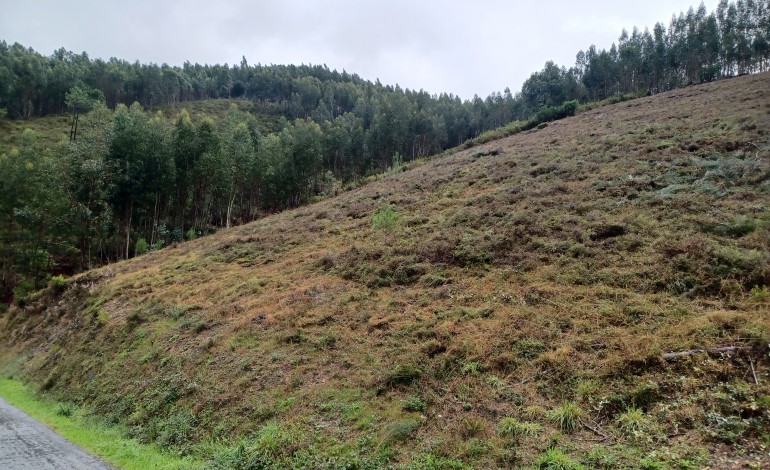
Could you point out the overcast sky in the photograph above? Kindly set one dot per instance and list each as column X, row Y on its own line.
column 466, row 48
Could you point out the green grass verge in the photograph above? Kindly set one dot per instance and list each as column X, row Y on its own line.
column 99, row 439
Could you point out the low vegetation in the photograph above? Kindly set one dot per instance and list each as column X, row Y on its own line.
column 105, row 441
column 510, row 305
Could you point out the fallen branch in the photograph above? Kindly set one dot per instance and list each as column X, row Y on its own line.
column 753, row 371
column 692, row 352
column 596, row 431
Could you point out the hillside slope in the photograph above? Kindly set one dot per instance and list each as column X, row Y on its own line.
column 506, row 305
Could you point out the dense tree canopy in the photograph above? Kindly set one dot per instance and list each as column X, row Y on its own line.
column 697, row 47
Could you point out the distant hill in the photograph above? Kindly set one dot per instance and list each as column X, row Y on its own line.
column 592, row 292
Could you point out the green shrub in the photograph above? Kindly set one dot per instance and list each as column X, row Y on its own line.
column 556, row 459
column 433, row 462
column 397, row 162
column 176, row 430
column 272, row 439
column 737, row 228
column 65, row 409
column 494, row 381
column 403, row 374
column 471, row 427
column 58, row 283
column 327, row 341
column 552, row 113
column 141, row 247
column 191, row 234
column 529, row 348
column 513, row 428
column 567, row 416
column 735, row 263
column 759, row 294
column 22, row 292
column 176, row 312
column 414, row 404
column 727, row 429
column 476, row 447
column 649, row 463
column 632, row 421
column 611, row 100
column 400, row 431
column 434, row 280
column 509, row 129
column 386, row 219
column 601, row 457
column 472, row 368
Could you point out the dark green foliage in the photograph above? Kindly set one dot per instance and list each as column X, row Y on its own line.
column 567, row 416
column 58, row 283
column 529, row 348
column 556, row 459
column 176, row 431
column 240, row 458
column 400, row 431
column 705, row 267
column 402, row 375
column 133, row 320
column 434, row 280
column 432, row 462
column 551, row 113
column 385, row 218
column 697, row 47
column 414, row 404
column 141, row 247
column 81, row 98
column 727, row 429
column 514, row 429
column 21, row 292
column 549, row 88
column 759, row 294
column 736, row 229
column 65, row 409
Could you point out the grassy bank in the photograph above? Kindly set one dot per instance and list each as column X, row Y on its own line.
column 99, row 439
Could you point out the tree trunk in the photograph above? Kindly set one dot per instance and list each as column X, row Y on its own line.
column 154, row 221
column 128, row 227
column 230, row 210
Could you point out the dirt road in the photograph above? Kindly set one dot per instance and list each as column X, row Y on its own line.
column 25, row 444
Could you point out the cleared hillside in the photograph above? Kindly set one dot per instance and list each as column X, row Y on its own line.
column 507, row 305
